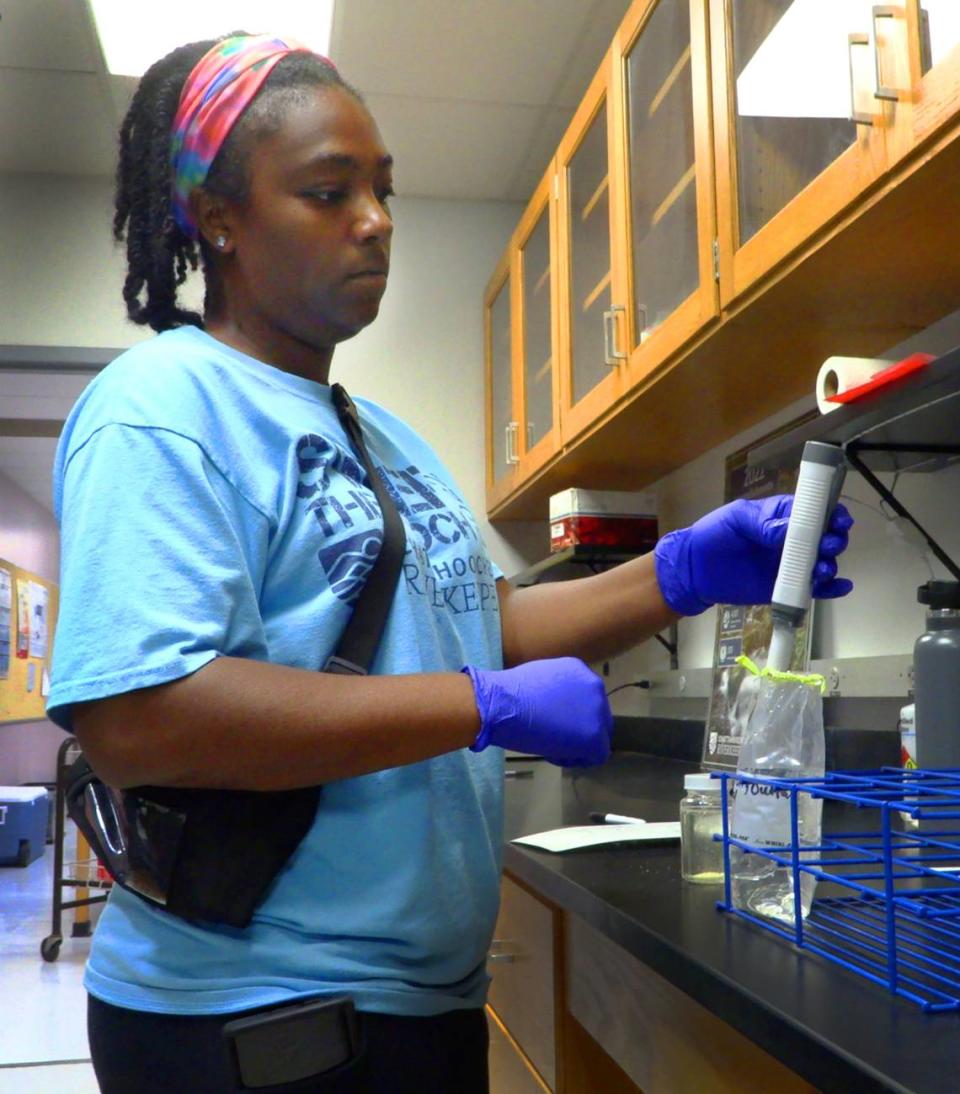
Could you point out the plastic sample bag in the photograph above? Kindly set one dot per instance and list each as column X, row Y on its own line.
column 783, row 740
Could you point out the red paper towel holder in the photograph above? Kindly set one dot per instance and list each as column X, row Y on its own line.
column 895, row 371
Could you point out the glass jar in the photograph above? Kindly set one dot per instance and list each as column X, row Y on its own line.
column 701, row 856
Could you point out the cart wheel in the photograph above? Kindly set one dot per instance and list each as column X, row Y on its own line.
column 23, row 854
column 50, row 947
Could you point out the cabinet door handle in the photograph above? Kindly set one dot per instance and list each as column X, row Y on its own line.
column 926, row 47
column 499, row 956
column 611, row 355
column 510, row 431
column 882, row 11
column 856, row 116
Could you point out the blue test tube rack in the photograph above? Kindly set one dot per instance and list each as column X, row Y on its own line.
column 888, row 891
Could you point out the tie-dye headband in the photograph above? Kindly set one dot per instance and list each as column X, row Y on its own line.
column 217, row 91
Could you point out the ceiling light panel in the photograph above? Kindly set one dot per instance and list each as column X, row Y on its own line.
column 133, row 36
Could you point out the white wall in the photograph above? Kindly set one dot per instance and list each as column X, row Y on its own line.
column 61, row 275
column 60, row 272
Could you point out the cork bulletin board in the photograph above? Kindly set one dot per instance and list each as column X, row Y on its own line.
column 28, row 616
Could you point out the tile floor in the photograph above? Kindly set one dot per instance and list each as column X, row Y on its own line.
column 43, row 1036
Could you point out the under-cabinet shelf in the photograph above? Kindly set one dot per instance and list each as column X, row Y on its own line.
column 579, row 553
column 909, row 425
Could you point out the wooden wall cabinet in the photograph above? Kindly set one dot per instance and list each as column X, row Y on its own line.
column 800, row 132
column 535, row 275
column 630, row 201
column 636, row 211
column 502, row 416
column 928, row 85
column 847, row 92
column 522, row 340
column 590, row 269
column 665, row 215
column 747, row 188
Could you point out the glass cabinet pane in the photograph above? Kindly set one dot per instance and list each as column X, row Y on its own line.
column 590, row 289
column 537, row 328
column 795, row 68
column 939, row 30
column 663, row 191
column 501, row 380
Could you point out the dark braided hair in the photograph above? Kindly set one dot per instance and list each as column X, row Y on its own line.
column 159, row 254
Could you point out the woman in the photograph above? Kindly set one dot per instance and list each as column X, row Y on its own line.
column 208, row 498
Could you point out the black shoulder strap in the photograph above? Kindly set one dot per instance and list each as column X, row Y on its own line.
column 359, row 641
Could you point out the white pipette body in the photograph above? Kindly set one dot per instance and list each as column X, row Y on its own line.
column 822, row 471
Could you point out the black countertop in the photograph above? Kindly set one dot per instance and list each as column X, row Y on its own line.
column 836, row 1029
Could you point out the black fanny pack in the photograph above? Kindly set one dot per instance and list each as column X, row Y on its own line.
column 213, row 855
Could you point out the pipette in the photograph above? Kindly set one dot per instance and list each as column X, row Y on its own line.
column 822, row 471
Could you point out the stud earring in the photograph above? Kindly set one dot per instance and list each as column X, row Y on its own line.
column 221, row 241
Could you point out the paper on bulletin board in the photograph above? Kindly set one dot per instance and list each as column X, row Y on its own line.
column 22, row 694
column 23, row 617
column 39, row 605
column 6, row 604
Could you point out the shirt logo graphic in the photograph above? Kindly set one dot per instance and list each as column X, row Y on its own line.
column 348, row 562
column 444, row 561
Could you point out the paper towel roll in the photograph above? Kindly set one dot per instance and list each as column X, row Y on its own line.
column 840, row 374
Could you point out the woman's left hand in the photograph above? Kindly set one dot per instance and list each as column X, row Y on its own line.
column 731, row 556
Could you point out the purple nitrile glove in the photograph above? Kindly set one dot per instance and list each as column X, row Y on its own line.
column 731, row 556
column 555, row 708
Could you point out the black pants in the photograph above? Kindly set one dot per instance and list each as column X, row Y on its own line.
column 139, row 1053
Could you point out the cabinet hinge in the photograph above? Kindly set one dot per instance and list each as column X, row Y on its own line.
column 716, row 259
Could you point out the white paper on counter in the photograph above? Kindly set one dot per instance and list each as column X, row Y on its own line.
column 593, row 835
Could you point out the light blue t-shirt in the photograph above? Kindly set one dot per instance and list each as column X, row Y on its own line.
column 210, row 505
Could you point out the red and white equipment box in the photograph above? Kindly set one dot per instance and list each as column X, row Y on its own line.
column 603, row 518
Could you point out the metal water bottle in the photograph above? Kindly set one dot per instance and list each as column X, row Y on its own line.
column 936, row 676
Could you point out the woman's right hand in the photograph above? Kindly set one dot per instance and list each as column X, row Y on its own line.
column 555, row 708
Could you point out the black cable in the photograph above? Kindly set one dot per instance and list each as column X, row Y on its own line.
column 898, row 508
column 645, row 684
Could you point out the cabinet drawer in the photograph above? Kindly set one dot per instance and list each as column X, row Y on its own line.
column 665, row 1041
column 510, row 1072
column 521, row 964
